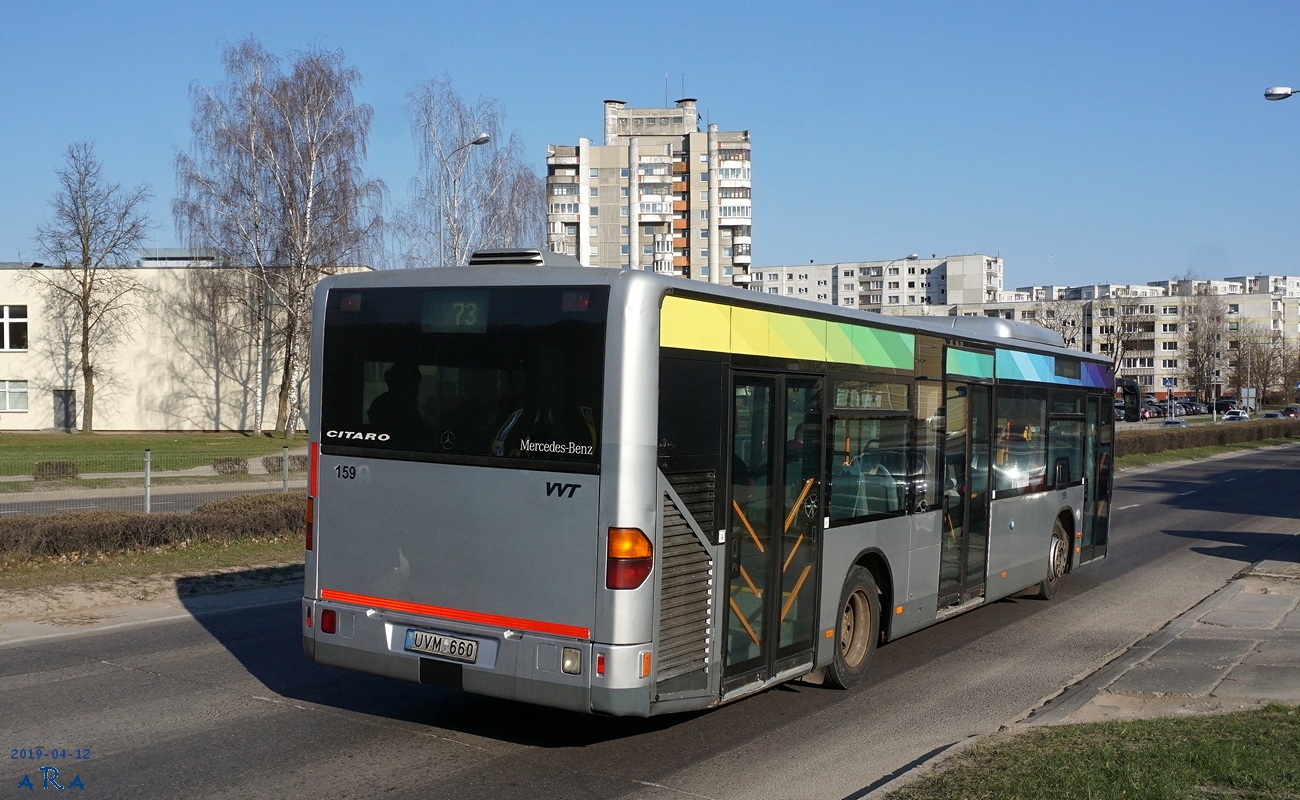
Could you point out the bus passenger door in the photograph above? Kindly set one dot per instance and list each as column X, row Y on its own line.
column 963, row 561
column 1097, row 475
column 774, row 526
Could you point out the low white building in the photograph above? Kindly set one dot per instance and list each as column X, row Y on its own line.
column 181, row 360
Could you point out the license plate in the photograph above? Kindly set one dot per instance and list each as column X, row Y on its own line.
column 437, row 644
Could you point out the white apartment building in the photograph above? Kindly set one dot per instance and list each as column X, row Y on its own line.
column 660, row 194
column 835, row 284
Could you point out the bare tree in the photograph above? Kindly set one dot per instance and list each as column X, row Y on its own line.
column 1123, row 328
column 472, row 191
column 1257, row 354
column 1201, row 338
column 1062, row 316
column 274, row 184
column 95, row 233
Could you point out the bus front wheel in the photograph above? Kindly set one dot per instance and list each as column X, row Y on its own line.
column 1058, row 558
column 858, row 631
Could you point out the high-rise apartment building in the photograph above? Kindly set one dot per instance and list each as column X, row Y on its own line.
column 659, row 194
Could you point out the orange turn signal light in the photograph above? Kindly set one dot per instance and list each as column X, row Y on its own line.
column 630, row 556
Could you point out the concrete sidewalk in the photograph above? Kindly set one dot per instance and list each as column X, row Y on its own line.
column 1239, row 648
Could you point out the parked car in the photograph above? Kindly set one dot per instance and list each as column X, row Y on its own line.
column 1291, row 412
column 1223, row 406
column 1235, row 415
column 1271, row 415
column 1174, row 423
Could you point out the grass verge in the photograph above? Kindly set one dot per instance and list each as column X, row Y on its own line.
column 1195, row 453
column 1244, row 755
column 179, row 559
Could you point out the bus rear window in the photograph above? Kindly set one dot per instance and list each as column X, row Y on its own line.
column 466, row 373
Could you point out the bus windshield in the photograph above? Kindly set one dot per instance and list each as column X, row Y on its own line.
column 477, row 373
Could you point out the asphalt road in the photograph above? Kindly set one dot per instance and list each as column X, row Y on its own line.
column 226, row 705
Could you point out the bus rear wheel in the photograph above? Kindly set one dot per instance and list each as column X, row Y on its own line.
column 858, row 630
column 1057, row 559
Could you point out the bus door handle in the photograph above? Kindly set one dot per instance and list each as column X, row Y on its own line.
column 733, row 557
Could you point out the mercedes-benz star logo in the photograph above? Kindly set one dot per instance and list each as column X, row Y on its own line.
column 448, row 440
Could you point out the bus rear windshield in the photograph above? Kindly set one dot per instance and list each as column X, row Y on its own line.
column 493, row 374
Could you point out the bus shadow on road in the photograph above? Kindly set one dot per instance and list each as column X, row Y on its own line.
column 1246, row 547
column 265, row 638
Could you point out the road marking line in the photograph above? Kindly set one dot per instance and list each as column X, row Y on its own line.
column 1184, row 494
column 1126, row 508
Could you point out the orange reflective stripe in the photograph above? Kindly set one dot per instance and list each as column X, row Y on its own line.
column 745, row 521
column 794, row 509
column 532, row 625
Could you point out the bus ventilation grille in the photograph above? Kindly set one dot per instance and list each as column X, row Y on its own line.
column 529, row 258
column 686, row 599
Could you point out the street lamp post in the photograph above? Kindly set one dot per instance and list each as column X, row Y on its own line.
column 1278, row 92
column 482, row 138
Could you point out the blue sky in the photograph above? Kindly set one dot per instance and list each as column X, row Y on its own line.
column 1082, row 142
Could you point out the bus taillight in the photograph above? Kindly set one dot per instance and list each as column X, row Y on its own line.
column 311, row 520
column 631, row 555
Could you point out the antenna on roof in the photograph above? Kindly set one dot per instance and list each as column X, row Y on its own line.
column 665, row 90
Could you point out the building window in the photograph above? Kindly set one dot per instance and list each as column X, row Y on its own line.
column 704, row 176
column 624, row 172
column 704, row 252
column 13, row 327
column 1169, row 345
column 595, row 171
column 595, row 192
column 1147, row 309
column 624, row 231
column 1169, row 363
column 647, row 249
column 570, row 230
column 774, row 290
column 13, row 395
column 1169, row 311
column 1234, row 308
column 624, row 250
column 704, row 233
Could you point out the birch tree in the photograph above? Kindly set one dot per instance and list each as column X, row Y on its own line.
column 1202, row 332
column 472, row 190
column 91, row 241
column 274, row 183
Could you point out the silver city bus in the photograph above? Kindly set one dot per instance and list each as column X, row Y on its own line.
column 623, row 493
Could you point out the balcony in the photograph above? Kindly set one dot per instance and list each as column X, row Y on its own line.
column 681, row 205
column 681, row 168
column 681, row 224
column 681, row 261
column 681, row 186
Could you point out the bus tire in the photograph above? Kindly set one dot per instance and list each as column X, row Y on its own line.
column 857, row 632
column 1058, row 557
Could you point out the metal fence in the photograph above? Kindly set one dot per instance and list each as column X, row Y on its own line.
column 148, row 481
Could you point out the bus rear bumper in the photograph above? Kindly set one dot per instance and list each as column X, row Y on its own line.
column 524, row 667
